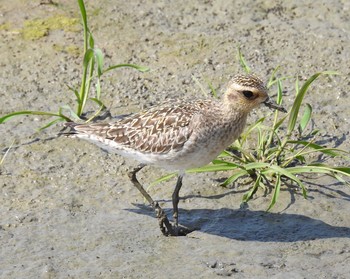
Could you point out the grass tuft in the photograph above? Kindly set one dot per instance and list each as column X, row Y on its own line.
column 277, row 155
column 92, row 72
column 282, row 152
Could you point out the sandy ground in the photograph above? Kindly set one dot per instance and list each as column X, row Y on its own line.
column 67, row 209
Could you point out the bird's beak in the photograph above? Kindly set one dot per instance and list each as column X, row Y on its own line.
column 272, row 105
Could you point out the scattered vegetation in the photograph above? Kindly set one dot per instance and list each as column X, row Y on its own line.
column 273, row 156
column 276, row 155
column 91, row 75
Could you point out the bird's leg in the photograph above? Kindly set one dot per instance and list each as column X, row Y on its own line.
column 176, row 199
column 164, row 223
column 179, row 230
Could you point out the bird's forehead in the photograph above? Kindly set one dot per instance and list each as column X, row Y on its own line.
column 244, row 81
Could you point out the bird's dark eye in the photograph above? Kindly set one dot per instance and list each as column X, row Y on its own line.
column 248, row 94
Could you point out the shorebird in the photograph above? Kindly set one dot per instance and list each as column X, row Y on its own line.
column 179, row 135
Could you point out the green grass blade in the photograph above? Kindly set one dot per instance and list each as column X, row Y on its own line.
column 299, row 99
column 98, row 89
column 296, row 86
column 213, row 168
column 340, row 179
column 254, row 126
column 318, row 148
column 83, row 12
column 162, row 179
column 246, row 155
column 261, row 142
column 320, row 168
column 243, row 62
column 287, row 173
column 305, row 119
column 88, row 56
column 97, row 101
column 342, row 170
column 137, row 67
column 256, row 165
column 232, row 155
column 75, row 92
column 99, row 58
column 273, row 81
column 225, row 153
column 30, row 112
column 234, row 177
column 276, row 123
column 272, row 78
column 51, row 123
column 88, row 69
column 223, row 162
column 71, row 112
column 85, row 24
column 280, row 122
column 91, row 40
column 212, row 89
column 101, row 107
column 275, row 193
column 247, row 196
column 279, row 93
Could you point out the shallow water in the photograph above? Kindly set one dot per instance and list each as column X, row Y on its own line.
column 67, row 208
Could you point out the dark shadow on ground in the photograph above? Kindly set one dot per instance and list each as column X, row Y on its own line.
column 246, row 225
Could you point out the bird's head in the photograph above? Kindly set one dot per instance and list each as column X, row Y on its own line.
column 246, row 92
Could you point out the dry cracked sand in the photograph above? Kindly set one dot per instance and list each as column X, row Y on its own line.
column 67, row 208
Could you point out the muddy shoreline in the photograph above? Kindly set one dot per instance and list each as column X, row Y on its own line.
column 67, row 208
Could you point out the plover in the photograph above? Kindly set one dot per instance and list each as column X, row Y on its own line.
column 179, row 135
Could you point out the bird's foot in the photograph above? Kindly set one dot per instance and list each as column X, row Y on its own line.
column 182, row 230
column 166, row 227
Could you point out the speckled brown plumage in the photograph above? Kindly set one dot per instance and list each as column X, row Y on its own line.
column 157, row 130
column 179, row 135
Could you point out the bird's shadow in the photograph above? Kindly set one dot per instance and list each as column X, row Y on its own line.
column 247, row 225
